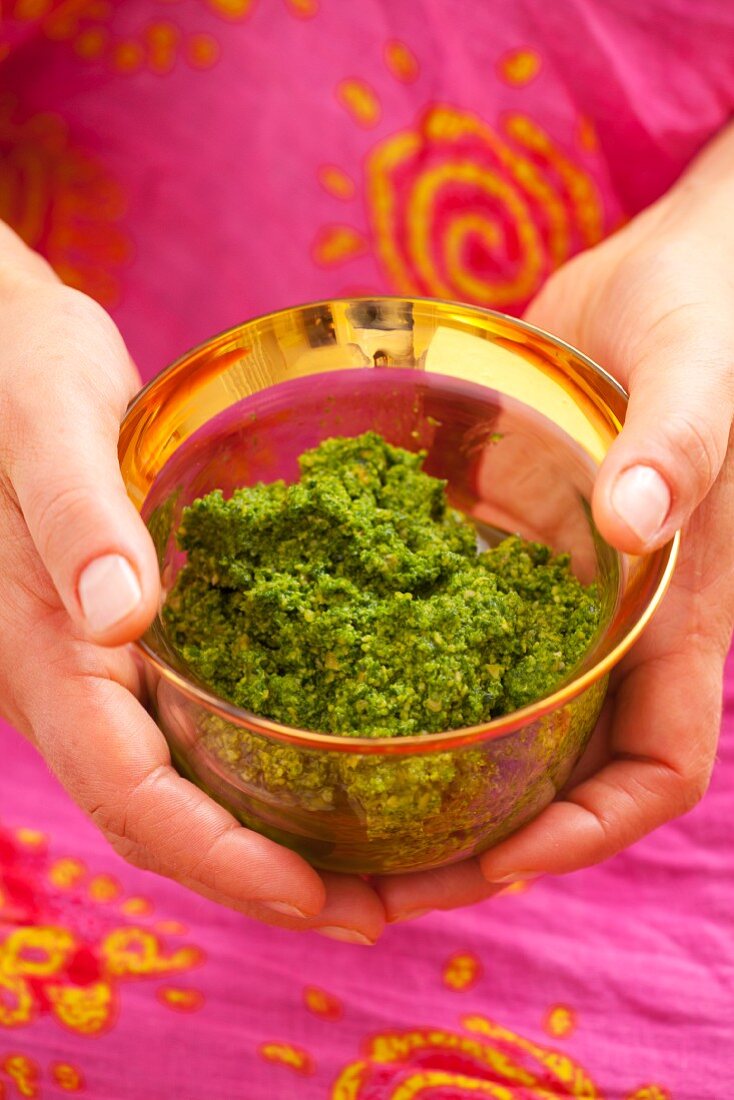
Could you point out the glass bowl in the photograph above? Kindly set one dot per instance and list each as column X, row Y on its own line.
column 517, row 422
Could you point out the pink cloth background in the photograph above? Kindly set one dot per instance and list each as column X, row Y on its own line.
column 195, row 162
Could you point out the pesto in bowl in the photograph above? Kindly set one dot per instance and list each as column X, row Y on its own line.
column 396, row 620
column 356, row 602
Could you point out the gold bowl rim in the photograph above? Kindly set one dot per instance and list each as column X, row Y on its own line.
column 424, row 742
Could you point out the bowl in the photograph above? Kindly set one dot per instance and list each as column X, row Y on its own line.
column 517, row 422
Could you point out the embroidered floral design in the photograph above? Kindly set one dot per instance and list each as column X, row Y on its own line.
column 649, row 1092
column 322, row 1004
column 519, row 67
column 462, row 971
column 491, row 1061
column 91, row 28
column 401, row 61
column 486, row 1060
column 560, row 1021
column 179, row 999
column 67, row 945
column 459, row 210
column 62, row 204
column 22, row 1076
column 290, row 1056
column 23, row 1072
column 360, row 101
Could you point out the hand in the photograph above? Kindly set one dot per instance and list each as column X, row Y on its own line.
column 78, row 580
column 653, row 305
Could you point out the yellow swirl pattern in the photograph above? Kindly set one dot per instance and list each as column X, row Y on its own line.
column 498, row 1064
column 460, row 211
column 436, row 1078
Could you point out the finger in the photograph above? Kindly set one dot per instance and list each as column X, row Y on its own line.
column 597, row 752
column 113, row 760
column 67, row 384
column 674, row 439
column 121, row 664
column 662, row 744
column 661, row 747
column 407, row 897
column 353, row 912
column 663, row 750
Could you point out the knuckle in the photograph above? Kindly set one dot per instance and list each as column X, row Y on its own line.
column 111, row 821
column 70, row 312
column 56, row 515
column 118, row 819
column 135, row 854
column 691, row 789
column 107, row 347
column 126, row 848
column 695, row 441
column 16, row 431
column 204, row 867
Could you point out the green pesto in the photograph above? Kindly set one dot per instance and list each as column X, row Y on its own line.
column 355, row 602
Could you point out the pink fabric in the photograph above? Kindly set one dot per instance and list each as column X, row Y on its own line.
column 195, row 163
column 626, row 970
column 188, row 192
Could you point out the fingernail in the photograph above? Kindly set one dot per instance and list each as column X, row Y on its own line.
column 411, row 914
column 283, row 908
column 345, row 935
column 641, row 499
column 516, row 876
column 108, row 592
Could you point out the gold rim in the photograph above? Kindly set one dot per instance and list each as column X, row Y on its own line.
column 518, row 321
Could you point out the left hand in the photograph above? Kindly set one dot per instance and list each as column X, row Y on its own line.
column 654, row 305
column 78, row 580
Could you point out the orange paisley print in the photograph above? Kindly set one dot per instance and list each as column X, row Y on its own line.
column 61, row 202
column 460, row 210
column 89, row 28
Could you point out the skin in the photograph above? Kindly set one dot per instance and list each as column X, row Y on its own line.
column 653, row 304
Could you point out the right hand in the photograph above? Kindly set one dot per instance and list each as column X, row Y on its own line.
column 78, row 581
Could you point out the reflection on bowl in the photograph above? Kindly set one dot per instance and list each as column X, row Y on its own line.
column 517, row 423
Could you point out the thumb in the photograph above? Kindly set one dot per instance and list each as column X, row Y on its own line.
column 671, row 448
column 67, row 387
